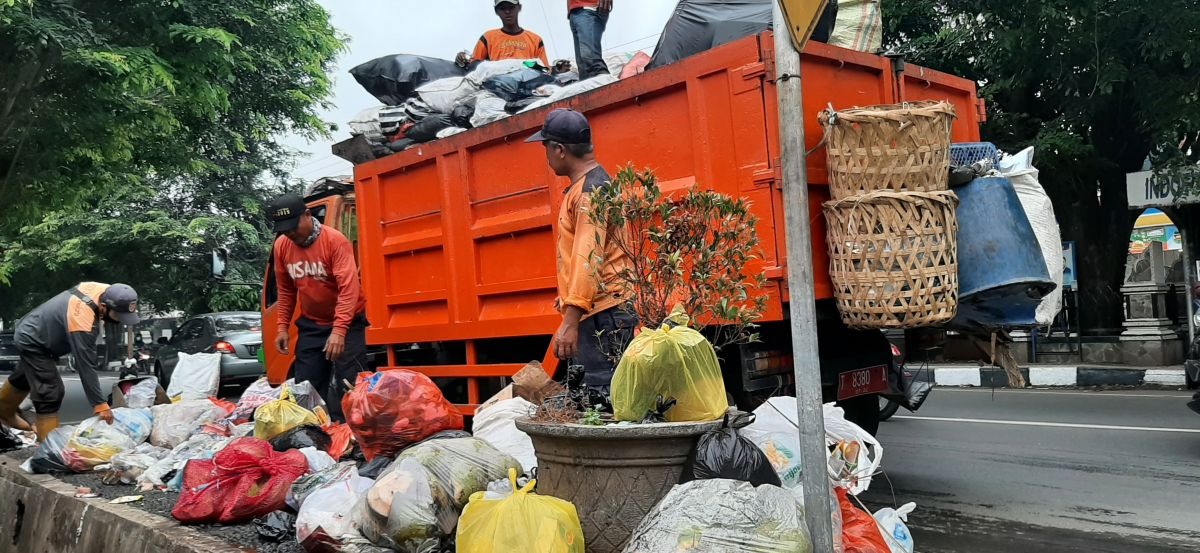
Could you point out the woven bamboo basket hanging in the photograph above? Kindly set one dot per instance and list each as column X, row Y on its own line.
column 901, row 148
column 893, row 258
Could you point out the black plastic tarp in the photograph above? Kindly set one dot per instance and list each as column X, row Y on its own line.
column 700, row 25
column 394, row 79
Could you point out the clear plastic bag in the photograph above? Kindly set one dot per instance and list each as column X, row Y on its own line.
column 317, row 460
column 142, row 394
column 130, row 465
column 95, row 442
column 306, row 485
column 669, row 362
column 281, row 415
column 519, row 521
column 200, row 446
column 175, row 422
column 497, row 425
column 323, row 522
column 415, row 503
column 49, row 455
column 893, row 525
column 716, row 516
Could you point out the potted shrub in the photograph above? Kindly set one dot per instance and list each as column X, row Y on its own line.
column 691, row 252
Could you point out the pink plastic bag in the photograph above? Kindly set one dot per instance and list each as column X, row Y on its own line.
column 244, row 481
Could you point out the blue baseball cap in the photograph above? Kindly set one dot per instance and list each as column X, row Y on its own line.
column 122, row 301
column 565, row 126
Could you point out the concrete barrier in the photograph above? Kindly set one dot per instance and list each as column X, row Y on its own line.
column 40, row 514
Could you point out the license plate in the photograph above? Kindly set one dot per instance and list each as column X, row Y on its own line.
column 252, row 348
column 872, row 380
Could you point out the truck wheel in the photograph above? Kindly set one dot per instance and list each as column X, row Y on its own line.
column 863, row 411
column 887, row 408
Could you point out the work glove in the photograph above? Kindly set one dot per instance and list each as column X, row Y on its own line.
column 104, row 412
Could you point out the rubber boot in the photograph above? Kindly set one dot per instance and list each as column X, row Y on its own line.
column 10, row 405
column 45, row 425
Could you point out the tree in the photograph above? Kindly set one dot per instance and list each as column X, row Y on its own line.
column 1098, row 87
column 136, row 135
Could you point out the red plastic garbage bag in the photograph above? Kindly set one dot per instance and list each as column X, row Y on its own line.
column 340, row 435
column 860, row 533
column 391, row 409
column 246, row 480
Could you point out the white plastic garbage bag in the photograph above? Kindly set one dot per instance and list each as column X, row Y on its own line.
column 328, row 513
column 95, row 442
column 497, row 425
column 200, row 446
column 892, row 524
column 142, row 394
column 175, row 422
column 317, row 460
column 309, row 483
column 488, row 108
column 196, row 376
column 1019, row 170
column 775, row 431
column 488, row 69
column 717, row 516
column 572, row 90
column 450, row 131
column 442, row 94
column 131, row 464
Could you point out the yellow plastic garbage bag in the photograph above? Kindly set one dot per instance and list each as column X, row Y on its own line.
column 670, row 362
column 494, row 522
column 276, row 417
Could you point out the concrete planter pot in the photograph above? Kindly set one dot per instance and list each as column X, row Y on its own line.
column 614, row 474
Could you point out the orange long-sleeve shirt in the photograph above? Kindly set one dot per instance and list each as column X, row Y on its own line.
column 325, row 278
column 581, row 245
column 496, row 45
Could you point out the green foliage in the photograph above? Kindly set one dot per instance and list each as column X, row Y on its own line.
column 137, row 135
column 694, row 250
column 592, row 417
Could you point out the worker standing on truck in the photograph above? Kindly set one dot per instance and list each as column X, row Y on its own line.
column 588, row 20
column 67, row 323
column 315, row 264
column 596, row 328
column 509, row 42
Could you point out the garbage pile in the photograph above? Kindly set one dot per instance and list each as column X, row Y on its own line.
column 427, row 98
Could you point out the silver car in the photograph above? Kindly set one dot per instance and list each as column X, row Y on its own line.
column 236, row 335
column 9, row 355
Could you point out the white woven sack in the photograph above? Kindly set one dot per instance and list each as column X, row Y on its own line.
column 859, row 25
column 1019, row 170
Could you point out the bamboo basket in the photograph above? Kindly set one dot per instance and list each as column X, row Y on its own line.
column 893, row 258
column 900, row 148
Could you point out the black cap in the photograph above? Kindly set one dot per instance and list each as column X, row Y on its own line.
column 565, row 126
column 122, row 301
column 285, row 211
column 513, row 2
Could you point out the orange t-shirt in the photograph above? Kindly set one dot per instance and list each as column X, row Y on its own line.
column 496, row 45
column 572, row 4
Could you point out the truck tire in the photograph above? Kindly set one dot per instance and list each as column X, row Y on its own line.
column 863, row 411
column 887, row 408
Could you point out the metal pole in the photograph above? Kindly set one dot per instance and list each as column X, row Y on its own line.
column 802, row 305
column 1187, row 284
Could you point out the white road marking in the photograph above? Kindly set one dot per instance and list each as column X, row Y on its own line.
column 1054, row 424
column 1096, row 393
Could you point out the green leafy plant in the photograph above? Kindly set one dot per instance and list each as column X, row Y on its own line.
column 694, row 249
column 592, row 417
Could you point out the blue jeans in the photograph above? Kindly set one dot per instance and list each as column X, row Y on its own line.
column 603, row 338
column 588, row 28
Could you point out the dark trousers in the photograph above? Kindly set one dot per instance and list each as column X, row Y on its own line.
column 326, row 376
column 588, row 28
column 37, row 373
column 603, row 338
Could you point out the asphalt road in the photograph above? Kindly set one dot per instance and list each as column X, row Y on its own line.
column 1046, row 471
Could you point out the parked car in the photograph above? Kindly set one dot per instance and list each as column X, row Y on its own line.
column 9, row 355
column 236, row 335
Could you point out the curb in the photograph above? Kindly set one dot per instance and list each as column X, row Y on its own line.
column 1051, row 376
column 44, row 516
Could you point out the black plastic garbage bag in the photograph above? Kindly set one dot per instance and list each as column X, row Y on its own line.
column 700, row 25
column 401, row 145
column 518, row 105
column 461, row 115
column 517, row 85
column 373, row 468
column 9, row 441
column 427, row 128
column 724, row 454
column 394, row 79
column 301, row 437
column 276, row 526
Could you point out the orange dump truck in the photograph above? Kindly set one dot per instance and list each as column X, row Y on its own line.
column 455, row 237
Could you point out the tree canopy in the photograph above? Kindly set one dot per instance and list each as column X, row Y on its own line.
column 135, row 136
column 1098, row 87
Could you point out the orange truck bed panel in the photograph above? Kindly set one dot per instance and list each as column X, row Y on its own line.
column 456, row 237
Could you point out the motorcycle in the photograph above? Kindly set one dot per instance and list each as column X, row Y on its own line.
column 139, row 363
column 904, row 390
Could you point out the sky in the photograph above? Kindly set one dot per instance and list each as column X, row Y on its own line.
column 441, row 29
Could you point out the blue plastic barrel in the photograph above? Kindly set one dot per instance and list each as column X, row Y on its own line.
column 1002, row 276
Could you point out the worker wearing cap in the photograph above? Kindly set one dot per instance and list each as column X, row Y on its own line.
column 509, row 42
column 596, row 327
column 588, row 20
column 315, row 264
column 67, row 323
